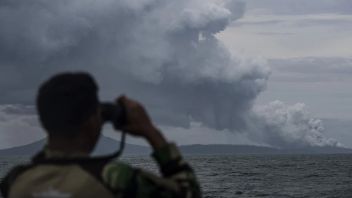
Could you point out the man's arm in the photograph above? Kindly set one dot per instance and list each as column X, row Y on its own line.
column 178, row 178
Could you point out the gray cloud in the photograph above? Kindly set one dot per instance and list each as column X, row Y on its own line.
column 340, row 129
column 302, row 21
column 153, row 49
column 312, row 69
column 275, row 33
column 163, row 53
column 295, row 7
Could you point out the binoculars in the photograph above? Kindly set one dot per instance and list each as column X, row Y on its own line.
column 114, row 113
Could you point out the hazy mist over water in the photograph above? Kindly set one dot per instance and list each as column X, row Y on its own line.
column 295, row 176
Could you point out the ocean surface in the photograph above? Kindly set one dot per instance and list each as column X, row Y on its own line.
column 259, row 175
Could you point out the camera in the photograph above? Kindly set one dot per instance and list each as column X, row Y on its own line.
column 114, row 113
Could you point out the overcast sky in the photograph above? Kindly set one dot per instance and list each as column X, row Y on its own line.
column 265, row 72
column 308, row 44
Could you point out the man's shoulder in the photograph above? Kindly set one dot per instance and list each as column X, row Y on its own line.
column 11, row 176
column 118, row 175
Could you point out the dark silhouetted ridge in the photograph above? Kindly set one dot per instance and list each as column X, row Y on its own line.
column 108, row 145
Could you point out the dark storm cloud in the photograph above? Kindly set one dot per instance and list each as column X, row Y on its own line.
column 164, row 53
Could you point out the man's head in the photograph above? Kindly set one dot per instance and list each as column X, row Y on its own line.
column 68, row 107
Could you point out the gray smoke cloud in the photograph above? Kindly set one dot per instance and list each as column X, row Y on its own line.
column 164, row 53
column 288, row 126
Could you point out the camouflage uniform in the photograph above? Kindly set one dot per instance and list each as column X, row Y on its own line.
column 53, row 175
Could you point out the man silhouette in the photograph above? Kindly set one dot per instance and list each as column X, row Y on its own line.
column 70, row 113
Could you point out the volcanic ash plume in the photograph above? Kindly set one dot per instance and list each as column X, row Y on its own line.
column 164, row 53
column 289, row 126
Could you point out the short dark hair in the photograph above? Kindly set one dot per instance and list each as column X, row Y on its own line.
column 65, row 101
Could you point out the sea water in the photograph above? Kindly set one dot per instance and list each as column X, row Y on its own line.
column 325, row 176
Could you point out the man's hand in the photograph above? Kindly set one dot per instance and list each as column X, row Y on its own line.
column 139, row 122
